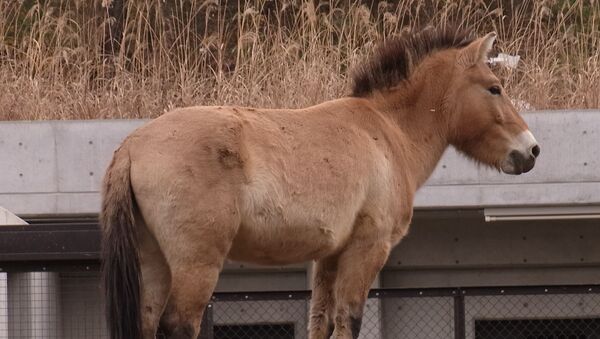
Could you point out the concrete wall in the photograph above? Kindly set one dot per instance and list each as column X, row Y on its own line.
column 460, row 249
column 567, row 171
column 55, row 167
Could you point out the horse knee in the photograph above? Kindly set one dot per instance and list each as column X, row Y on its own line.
column 185, row 331
column 349, row 312
column 174, row 327
column 330, row 329
column 348, row 321
column 320, row 326
column 355, row 325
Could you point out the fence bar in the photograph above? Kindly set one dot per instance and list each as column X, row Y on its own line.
column 459, row 317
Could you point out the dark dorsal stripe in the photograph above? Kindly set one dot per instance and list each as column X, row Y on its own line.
column 393, row 60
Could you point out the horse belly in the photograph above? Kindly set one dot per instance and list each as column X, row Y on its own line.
column 282, row 243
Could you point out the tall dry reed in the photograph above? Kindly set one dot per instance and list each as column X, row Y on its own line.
column 79, row 59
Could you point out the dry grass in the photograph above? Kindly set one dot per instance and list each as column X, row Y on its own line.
column 56, row 61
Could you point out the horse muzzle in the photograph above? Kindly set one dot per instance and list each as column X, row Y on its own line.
column 518, row 162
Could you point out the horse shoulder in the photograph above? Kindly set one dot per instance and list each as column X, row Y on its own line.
column 391, row 190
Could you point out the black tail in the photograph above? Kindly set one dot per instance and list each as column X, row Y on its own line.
column 120, row 262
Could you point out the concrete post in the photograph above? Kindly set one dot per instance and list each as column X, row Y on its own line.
column 33, row 305
column 3, row 306
column 45, row 305
column 29, row 301
column 6, row 218
column 19, row 308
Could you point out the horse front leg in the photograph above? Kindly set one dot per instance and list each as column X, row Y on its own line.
column 322, row 302
column 358, row 267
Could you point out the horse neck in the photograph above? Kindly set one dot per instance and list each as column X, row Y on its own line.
column 418, row 112
column 427, row 146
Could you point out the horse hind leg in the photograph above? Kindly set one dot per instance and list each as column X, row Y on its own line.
column 195, row 252
column 155, row 280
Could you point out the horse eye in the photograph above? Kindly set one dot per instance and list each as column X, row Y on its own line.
column 495, row 90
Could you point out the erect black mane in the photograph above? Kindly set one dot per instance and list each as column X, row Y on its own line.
column 394, row 60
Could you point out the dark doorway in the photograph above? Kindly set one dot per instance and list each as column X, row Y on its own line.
column 538, row 329
column 254, row 331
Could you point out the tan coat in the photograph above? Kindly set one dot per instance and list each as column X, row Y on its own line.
column 332, row 183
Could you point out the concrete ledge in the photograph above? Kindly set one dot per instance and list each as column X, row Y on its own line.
column 525, row 194
column 8, row 218
column 56, row 167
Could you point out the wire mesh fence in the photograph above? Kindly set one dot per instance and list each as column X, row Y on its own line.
column 49, row 305
column 533, row 316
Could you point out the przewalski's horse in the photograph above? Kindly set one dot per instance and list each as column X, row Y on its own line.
column 333, row 183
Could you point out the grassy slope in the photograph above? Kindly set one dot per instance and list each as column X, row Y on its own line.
column 57, row 62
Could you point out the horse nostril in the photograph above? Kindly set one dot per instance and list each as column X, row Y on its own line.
column 515, row 156
column 535, row 151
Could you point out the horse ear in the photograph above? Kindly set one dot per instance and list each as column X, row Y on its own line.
column 477, row 51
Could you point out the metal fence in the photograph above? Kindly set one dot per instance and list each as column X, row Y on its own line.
column 67, row 304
